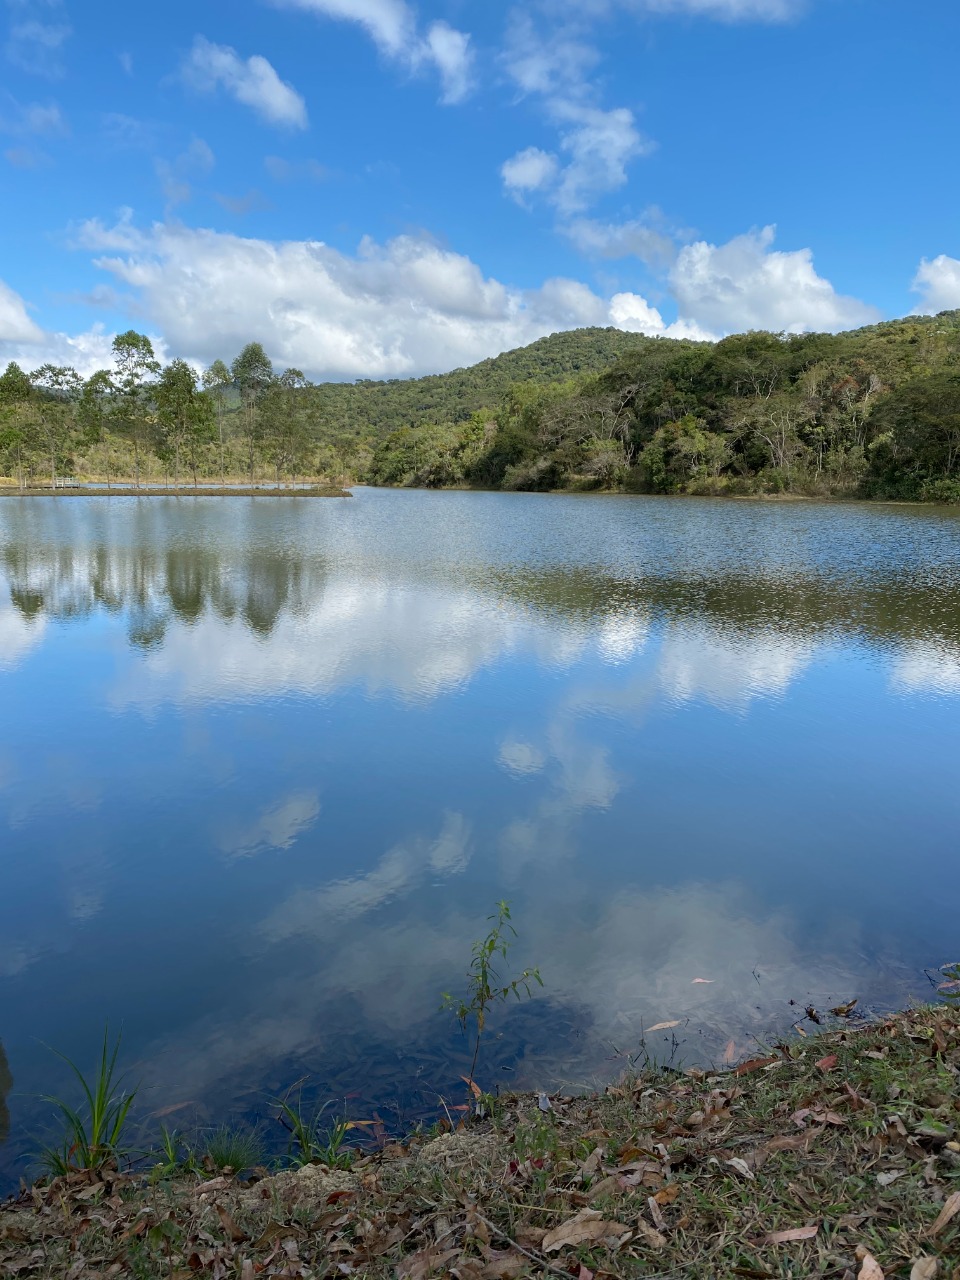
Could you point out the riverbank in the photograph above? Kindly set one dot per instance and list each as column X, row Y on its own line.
column 206, row 491
column 834, row 1156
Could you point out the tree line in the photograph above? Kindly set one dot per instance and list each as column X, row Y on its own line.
column 141, row 420
column 873, row 412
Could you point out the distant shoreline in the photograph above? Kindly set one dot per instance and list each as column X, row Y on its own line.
column 225, row 491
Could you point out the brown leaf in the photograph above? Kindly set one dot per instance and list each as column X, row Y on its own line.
column 503, row 1265
column 925, row 1268
column 663, row 1026
column 870, row 1268
column 950, row 1209
column 754, row 1064
column 844, row 1010
column 586, row 1227
column 666, row 1195
column 611, row 1186
column 794, row 1233
column 653, row 1238
column 655, row 1214
column 730, row 1052
column 228, row 1224
column 827, row 1063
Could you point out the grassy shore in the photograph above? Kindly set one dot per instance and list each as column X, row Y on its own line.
column 831, row 1156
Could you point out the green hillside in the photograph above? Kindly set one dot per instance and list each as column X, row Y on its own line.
column 368, row 407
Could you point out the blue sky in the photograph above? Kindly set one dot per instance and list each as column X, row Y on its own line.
column 377, row 189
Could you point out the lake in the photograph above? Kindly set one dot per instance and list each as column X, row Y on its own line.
column 266, row 766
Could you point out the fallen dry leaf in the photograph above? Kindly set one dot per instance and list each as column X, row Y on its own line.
column 950, row 1208
column 587, row 1227
column 754, row 1064
column 794, row 1233
column 827, row 1063
column 730, row 1052
column 228, row 1224
column 844, row 1010
column 652, row 1237
column 666, row 1195
column 925, row 1268
column 663, row 1026
column 870, row 1268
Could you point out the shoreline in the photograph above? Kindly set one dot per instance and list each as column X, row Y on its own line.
column 184, row 491
column 833, row 1155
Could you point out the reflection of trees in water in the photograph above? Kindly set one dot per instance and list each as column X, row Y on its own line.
column 897, row 608
column 6, row 1083
column 155, row 587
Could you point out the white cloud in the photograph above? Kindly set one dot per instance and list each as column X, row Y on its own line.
column 35, row 46
column 635, row 238
column 174, row 176
column 728, row 10
column 939, row 283
column 599, row 143
column 252, row 81
column 529, row 170
column 15, row 323
column 449, row 51
column 743, row 284
column 33, row 118
column 392, row 25
column 407, row 307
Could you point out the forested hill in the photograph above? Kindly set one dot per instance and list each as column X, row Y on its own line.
column 368, row 407
column 871, row 412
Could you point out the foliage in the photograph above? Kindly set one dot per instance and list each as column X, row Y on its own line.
column 311, row 1141
column 233, row 1149
column 94, row 1134
column 874, row 412
column 485, row 985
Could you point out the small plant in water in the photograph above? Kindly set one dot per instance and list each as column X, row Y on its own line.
column 233, row 1149
column 94, row 1134
column 486, row 986
column 312, row 1142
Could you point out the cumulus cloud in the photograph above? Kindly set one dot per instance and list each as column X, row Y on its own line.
column 598, row 143
column 744, row 284
column 939, row 284
column 727, row 10
column 15, row 323
column 405, row 307
column 529, row 170
column 279, row 826
column 252, row 81
column 635, row 238
column 392, row 25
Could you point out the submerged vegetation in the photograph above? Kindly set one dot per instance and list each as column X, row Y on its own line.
column 874, row 412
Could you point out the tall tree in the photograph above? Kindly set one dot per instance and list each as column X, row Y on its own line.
column 252, row 372
column 58, row 388
column 215, row 380
column 93, row 412
column 16, row 394
column 136, row 364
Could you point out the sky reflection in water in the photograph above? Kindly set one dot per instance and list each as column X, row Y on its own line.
column 265, row 766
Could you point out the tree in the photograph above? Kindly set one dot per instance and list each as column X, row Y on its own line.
column 58, row 388
column 136, row 363
column 93, row 412
column 252, row 372
column 215, row 380
column 184, row 415
column 16, row 394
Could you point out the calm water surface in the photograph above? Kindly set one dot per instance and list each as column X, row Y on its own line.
column 265, row 766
